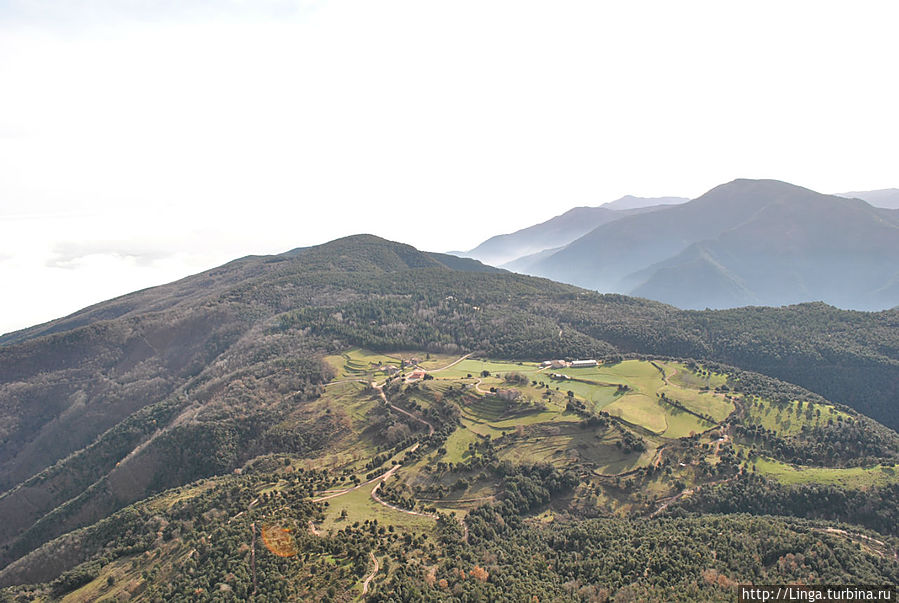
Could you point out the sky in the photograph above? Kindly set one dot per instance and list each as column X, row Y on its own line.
column 141, row 142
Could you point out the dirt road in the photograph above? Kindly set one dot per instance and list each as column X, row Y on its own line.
column 374, row 571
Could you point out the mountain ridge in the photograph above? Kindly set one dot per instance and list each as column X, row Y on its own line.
column 634, row 202
column 887, row 198
column 759, row 216
column 561, row 229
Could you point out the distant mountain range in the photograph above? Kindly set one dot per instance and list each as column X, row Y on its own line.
column 631, row 202
column 887, row 198
column 747, row 242
column 561, row 230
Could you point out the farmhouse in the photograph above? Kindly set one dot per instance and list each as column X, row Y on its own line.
column 556, row 364
column 416, row 374
column 510, row 395
column 583, row 363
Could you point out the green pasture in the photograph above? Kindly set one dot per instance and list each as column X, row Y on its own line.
column 682, row 424
column 457, row 445
column 640, row 409
column 598, row 395
column 499, row 414
column 357, row 363
column 636, row 374
column 850, row 477
column 789, row 419
column 702, row 402
column 598, row 387
column 476, row 367
column 679, row 374
column 360, row 506
column 562, row 444
column 435, row 362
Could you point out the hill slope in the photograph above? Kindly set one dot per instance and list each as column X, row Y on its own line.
column 449, row 489
column 195, row 379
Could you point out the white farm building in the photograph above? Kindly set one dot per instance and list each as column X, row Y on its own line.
column 583, row 363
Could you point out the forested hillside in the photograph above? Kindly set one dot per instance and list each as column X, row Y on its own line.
column 246, row 369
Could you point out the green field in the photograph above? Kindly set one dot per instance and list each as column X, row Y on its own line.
column 702, row 402
column 457, row 445
column 789, row 419
column 851, row 477
column 636, row 374
column 682, row 424
column 562, row 445
column 628, row 390
column 359, row 363
column 641, row 407
column 599, row 395
column 679, row 374
column 360, row 506
column 476, row 367
column 642, row 410
column 599, row 388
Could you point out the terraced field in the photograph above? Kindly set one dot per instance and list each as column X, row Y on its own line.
column 359, row 363
column 640, row 413
column 562, row 445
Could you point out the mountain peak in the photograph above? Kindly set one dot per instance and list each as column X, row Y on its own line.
column 759, row 185
column 364, row 252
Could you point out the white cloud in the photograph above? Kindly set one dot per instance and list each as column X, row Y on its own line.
column 213, row 132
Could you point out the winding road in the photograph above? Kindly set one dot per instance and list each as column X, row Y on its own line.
column 377, row 499
column 452, row 364
column 383, row 476
column 387, row 474
column 371, row 576
column 380, row 389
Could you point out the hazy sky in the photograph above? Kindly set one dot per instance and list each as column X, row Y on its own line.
column 143, row 141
